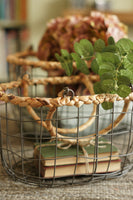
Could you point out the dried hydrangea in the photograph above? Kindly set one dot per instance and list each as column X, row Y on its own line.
column 63, row 32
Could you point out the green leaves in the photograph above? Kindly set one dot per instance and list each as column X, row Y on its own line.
column 107, row 75
column 99, row 45
column 108, row 85
column 123, row 80
column 107, row 105
column 105, row 68
column 104, row 86
column 94, row 66
column 111, row 41
column 112, row 62
column 66, row 61
column 128, row 74
column 124, row 45
column 130, row 57
column 98, row 88
column 81, row 65
column 107, row 57
column 123, row 90
column 84, row 49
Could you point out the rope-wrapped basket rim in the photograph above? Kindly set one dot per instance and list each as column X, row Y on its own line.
column 59, row 100
column 21, row 58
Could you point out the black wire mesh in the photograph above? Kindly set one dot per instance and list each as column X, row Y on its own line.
column 20, row 134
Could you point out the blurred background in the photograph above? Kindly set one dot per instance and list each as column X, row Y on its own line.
column 23, row 22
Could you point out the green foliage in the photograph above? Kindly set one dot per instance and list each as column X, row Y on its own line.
column 107, row 57
column 110, row 48
column 107, row 75
column 130, row 57
column 123, row 80
column 123, row 90
column 66, row 61
column 106, row 67
column 94, row 66
column 108, row 85
column 128, row 73
column 99, row 45
column 111, row 41
column 124, row 45
column 107, row 105
column 84, row 49
column 112, row 62
column 98, row 88
column 81, row 65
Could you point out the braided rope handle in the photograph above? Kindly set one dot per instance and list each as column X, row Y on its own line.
column 18, row 59
column 61, row 130
column 84, row 140
column 58, row 101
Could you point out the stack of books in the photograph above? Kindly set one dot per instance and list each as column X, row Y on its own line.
column 13, row 10
column 51, row 161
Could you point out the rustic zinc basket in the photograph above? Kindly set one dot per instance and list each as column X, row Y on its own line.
column 67, row 120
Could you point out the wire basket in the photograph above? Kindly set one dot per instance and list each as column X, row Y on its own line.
column 86, row 143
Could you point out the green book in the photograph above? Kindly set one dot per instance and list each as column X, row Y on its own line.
column 48, row 154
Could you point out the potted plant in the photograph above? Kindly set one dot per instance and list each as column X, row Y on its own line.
column 63, row 32
column 113, row 63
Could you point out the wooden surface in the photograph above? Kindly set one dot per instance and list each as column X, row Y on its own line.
column 125, row 17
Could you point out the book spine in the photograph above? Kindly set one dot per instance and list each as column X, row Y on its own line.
column 24, row 36
column 23, row 8
column 72, row 160
column 7, row 10
column 2, row 9
column 68, row 170
column 3, row 64
column 12, row 9
column 17, row 10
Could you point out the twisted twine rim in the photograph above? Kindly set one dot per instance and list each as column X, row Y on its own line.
column 58, row 101
column 19, row 58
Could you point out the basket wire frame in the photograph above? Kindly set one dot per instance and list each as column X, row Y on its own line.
column 19, row 132
column 17, row 147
